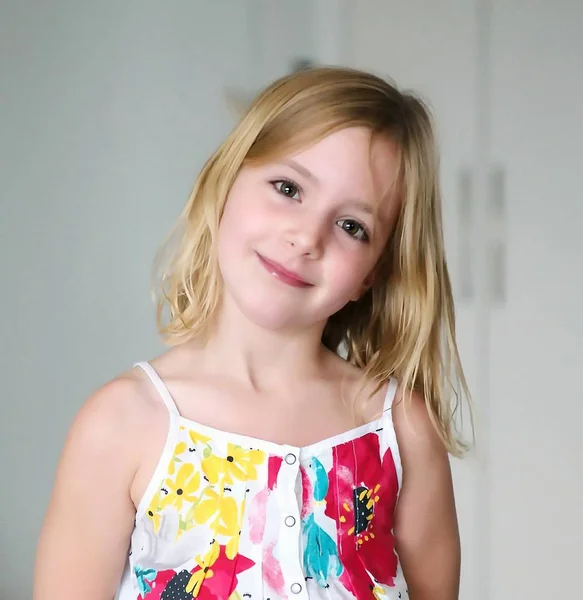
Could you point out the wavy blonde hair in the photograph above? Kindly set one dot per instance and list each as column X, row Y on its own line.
column 404, row 326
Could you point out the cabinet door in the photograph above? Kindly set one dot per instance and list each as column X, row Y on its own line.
column 536, row 208
column 430, row 47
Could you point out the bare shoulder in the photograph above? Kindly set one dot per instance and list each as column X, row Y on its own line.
column 426, row 528
column 416, row 434
column 115, row 411
column 368, row 396
column 122, row 424
column 98, row 465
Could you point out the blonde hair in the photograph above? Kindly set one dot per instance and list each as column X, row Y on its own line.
column 404, row 327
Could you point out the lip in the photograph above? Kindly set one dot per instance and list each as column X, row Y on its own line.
column 283, row 274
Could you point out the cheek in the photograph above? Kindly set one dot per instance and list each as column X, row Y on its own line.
column 246, row 217
column 347, row 273
column 234, row 225
column 242, row 231
column 228, row 236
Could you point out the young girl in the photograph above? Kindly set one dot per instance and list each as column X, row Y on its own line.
column 251, row 460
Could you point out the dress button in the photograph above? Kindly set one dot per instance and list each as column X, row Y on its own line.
column 290, row 521
column 290, row 459
column 295, row 588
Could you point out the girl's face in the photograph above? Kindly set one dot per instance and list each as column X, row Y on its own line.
column 296, row 238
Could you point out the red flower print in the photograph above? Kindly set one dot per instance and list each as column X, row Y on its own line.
column 224, row 580
column 273, row 467
column 159, row 584
column 361, row 498
column 258, row 506
column 213, row 583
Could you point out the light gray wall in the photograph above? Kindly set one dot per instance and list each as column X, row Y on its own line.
column 109, row 109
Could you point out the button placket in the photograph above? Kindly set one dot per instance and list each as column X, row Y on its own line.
column 290, row 530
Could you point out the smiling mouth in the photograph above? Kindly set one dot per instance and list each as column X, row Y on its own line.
column 281, row 273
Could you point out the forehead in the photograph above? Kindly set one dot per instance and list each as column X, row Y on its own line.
column 353, row 163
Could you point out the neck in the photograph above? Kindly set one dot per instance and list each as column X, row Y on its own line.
column 261, row 358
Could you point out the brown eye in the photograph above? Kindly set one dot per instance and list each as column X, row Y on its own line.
column 354, row 229
column 287, row 188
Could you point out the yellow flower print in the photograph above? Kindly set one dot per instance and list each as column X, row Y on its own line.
column 198, row 438
column 180, row 448
column 219, row 511
column 183, row 488
column 239, row 464
column 205, row 563
column 153, row 512
column 232, row 548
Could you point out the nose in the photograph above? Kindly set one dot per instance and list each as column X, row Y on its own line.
column 306, row 236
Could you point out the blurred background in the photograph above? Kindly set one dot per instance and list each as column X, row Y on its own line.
column 108, row 111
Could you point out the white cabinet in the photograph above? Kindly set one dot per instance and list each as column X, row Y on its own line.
column 536, row 321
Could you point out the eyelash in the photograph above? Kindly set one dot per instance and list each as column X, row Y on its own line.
column 364, row 234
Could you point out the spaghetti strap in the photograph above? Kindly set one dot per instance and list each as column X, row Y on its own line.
column 160, row 386
column 390, row 396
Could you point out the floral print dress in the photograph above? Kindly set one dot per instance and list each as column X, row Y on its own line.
column 230, row 517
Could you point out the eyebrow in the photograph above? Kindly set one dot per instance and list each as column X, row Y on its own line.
column 360, row 204
column 363, row 206
column 290, row 162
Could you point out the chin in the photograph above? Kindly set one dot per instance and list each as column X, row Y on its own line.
column 271, row 317
column 270, row 306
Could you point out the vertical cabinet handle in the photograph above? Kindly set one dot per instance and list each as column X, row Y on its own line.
column 497, row 237
column 466, row 286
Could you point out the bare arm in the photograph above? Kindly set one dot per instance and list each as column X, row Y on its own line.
column 84, row 540
column 426, row 526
